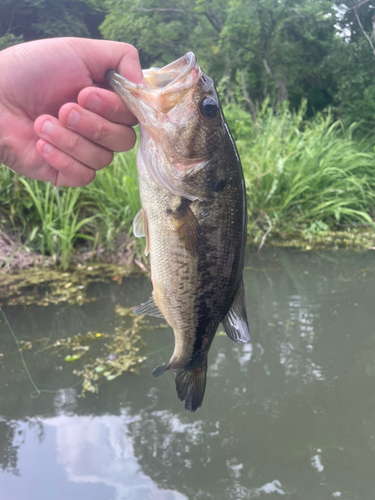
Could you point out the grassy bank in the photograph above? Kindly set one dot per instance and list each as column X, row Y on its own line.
column 306, row 181
column 65, row 225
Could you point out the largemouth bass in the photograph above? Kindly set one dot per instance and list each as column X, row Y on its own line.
column 193, row 214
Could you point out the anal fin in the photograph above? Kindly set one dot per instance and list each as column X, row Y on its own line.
column 235, row 322
column 149, row 308
column 159, row 370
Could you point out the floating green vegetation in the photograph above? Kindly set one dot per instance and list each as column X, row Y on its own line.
column 52, row 286
column 93, row 356
column 122, row 355
column 122, row 351
column 102, row 356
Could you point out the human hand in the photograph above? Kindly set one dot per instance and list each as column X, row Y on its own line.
column 54, row 124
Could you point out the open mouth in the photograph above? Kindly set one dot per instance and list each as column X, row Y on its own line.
column 180, row 73
column 162, row 89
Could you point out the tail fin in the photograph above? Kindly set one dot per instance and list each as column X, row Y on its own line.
column 190, row 386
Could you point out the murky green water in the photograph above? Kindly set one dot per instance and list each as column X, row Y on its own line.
column 291, row 415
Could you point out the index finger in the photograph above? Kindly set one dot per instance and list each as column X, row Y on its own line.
column 106, row 104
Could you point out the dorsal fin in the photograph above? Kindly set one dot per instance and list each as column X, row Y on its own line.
column 149, row 308
column 235, row 322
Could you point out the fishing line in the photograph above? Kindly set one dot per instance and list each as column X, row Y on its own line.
column 37, row 392
column 20, row 352
column 159, row 350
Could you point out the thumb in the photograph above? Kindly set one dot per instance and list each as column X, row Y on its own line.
column 102, row 55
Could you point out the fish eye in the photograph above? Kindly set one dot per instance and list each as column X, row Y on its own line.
column 209, row 107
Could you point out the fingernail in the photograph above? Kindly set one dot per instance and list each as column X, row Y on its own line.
column 47, row 148
column 47, row 127
column 73, row 118
column 92, row 102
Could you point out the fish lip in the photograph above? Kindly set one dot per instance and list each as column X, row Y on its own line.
column 117, row 81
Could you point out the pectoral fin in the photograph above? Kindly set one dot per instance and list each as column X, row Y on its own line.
column 186, row 226
column 140, row 228
column 149, row 308
column 235, row 322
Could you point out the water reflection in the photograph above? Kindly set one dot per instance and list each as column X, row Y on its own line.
column 99, row 450
column 290, row 415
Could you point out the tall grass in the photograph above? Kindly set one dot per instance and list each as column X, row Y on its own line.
column 306, row 175
column 57, row 221
column 114, row 197
column 301, row 172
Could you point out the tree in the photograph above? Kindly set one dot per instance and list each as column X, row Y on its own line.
column 254, row 47
column 24, row 20
column 352, row 63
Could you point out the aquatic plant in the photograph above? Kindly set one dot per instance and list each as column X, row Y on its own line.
column 94, row 360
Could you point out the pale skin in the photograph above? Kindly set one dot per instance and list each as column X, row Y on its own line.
column 56, row 122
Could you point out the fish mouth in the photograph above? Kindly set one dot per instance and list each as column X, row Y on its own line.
column 182, row 72
column 162, row 88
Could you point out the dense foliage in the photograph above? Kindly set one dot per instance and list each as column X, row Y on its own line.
column 25, row 20
column 318, row 50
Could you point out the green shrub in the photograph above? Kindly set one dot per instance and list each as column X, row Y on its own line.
column 298, row 172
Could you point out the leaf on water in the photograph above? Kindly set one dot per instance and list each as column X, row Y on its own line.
column 99, row 369
column 72, row 357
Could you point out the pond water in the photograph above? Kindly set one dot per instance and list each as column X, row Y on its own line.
column 289, row 416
